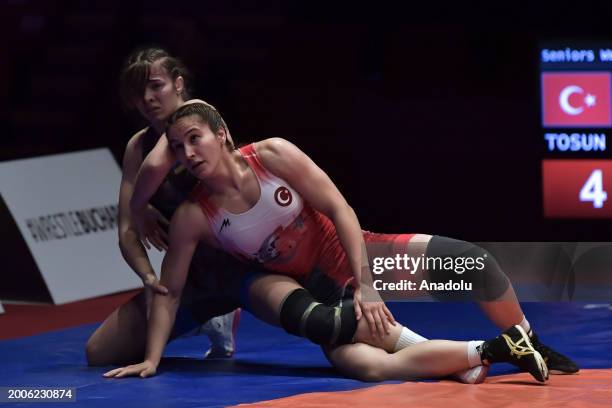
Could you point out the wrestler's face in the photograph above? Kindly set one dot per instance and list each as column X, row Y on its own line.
column 162, row 95
column 196, row 146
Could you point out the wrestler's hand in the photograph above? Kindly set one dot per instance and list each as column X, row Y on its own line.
column 152, row 286
column 374, row 310
column 149, row 224
column 143, row 370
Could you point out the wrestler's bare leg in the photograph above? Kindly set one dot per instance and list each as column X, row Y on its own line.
column 266, row 296
column 429, row 359
column 121, row 339
column 267, row 293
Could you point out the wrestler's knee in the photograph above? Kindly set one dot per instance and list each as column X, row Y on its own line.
column 302, row 316
column 262, row 294
column 123, row 333
column 371, row 372
column 94, row 353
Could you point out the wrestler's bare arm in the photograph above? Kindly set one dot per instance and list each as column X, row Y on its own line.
column 187, row 228
column 288, row 162
column 131, row 248
column 153, row 170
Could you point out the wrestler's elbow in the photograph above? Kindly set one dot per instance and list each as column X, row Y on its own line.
column 339, row 210
column 127, row 239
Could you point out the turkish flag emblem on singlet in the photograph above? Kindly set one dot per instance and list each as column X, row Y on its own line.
column 576, row 99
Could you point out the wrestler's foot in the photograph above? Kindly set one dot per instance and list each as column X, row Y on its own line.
column 557, row 363
column 474, row 375
column 221, row 331
column 513, row 346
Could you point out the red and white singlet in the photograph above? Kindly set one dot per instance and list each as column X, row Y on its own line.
column 281, row 231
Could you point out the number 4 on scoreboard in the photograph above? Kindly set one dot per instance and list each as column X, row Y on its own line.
column 593, row 191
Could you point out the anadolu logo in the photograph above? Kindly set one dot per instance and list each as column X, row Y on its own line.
column 576, row 99
column 283, row 196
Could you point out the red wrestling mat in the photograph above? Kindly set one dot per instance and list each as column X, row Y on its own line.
column 589, row 388
column 27, row 320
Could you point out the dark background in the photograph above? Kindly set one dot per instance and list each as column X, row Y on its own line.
column 426, row 116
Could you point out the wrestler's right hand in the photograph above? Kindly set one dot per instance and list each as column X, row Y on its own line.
column 152, row 286
column 151, row 282
column 143, row 370
column 376, row 313
column 150, row 224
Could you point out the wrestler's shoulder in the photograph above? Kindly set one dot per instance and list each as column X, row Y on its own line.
column 138, row 137
column 277, row 149
column 275, row 145
column 189, row 209
column 189, row 216
column 135, row 142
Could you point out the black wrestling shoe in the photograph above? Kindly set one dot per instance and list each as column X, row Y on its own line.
column 513, row 346
column 557, row 363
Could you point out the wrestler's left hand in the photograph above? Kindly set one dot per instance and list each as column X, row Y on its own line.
column 143, row 370
column 376, row 313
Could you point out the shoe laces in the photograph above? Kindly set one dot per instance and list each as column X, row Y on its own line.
column 519, row 348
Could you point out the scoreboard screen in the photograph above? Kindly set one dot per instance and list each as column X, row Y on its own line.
column 576, row 81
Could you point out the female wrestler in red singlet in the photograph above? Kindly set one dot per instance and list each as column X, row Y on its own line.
column 269, row 203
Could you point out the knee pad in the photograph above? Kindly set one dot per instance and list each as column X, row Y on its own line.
column 450, row 259
column 302, row 316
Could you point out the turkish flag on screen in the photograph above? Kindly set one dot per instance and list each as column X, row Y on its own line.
column 576, row 99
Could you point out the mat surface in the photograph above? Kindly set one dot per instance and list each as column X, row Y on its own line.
column 591, row 388
column 270, row 364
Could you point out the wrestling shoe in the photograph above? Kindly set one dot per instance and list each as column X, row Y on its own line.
column 221, row 331
column 474, row 375
column 557, row 363
column 513, row 346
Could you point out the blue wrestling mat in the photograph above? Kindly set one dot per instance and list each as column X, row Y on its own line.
column 270, row 364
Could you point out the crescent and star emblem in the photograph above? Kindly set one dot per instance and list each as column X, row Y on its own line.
column 567, row 92
column 283, row 196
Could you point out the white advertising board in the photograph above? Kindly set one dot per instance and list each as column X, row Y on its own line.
column 65, row 207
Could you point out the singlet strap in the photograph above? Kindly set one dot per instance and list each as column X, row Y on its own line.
column 250, row 155
column 199, row 194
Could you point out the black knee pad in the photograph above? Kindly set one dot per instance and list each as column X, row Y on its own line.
column 302, row 316
column 488, row 281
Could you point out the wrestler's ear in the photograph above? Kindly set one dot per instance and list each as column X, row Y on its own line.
column 222, row 134
column 179, row 84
